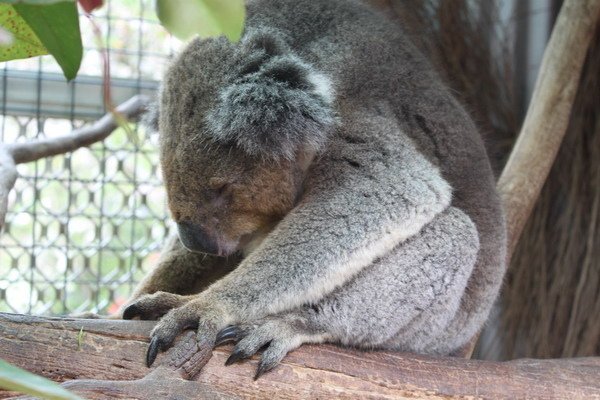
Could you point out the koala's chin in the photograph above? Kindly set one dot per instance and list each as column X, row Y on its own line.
column 195, row 238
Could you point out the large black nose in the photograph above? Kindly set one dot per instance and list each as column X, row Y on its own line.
column 195, row 238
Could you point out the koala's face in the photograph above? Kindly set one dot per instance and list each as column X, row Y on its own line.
column 237, row 123
column 221, row 199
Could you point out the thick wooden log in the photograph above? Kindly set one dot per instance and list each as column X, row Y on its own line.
column 107, row 361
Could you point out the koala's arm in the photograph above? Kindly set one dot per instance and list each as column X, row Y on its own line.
column 422, row 281
column 181, row 272
column 361, row 206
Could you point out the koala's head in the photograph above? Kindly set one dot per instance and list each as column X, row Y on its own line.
column 239, row 124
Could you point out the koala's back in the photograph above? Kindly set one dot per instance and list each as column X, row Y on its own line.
column 371, row 63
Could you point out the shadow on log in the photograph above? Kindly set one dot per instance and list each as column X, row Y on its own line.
column 107, row 361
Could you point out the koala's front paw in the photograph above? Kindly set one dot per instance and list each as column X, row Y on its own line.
column 281, row 334
column 197, row 313
column 153, row 306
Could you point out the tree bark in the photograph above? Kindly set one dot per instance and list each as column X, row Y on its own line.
column 107, row 361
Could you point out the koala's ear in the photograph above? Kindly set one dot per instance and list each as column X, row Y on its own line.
column 276, row 105
column 149, row 118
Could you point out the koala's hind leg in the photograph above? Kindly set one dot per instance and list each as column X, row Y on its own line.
column 403, row 301
column 406, row 299
column 179, row 273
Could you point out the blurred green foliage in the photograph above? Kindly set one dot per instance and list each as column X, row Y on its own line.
column 18, row 380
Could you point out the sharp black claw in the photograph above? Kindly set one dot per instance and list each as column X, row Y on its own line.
column 153, row 349
column 230, row 333
column 131, row 312
column 235, row 356
column 262, row 368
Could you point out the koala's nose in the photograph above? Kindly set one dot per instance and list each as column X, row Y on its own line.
column 195, row 238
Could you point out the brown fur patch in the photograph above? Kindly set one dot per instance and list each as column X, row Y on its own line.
column 231, row 195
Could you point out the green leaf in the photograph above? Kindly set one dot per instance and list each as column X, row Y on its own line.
column 25, row 43
column 57, row 27
column 185, row 18
column 19, row 380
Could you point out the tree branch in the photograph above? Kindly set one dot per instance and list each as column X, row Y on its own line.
column 12, row 154
column 107, row 361
column 548, row 114
column 546, row 121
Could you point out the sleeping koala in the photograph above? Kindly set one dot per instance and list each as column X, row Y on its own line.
column 326, row 187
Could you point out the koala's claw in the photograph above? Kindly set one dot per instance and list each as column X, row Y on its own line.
column 131, row 312
column 253, row 340
column 153, row 350
column 235, row 356
column 191, row 315
column 262, row 368
column 229, row 334
column 153, row 306
column 276, row 335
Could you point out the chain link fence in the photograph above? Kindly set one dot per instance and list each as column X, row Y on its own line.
column 84, row 227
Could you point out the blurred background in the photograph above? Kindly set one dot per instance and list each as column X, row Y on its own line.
column 83, row 228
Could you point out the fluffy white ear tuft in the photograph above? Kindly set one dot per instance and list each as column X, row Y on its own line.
column 276, row 105
column 322, row 86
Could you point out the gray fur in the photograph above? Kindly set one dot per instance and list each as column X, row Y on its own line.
column 397, row 240
column 272, row 112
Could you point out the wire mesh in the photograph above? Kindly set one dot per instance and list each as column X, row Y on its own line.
column 84, row 227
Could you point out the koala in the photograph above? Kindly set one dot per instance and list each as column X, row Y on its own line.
column 326, row 187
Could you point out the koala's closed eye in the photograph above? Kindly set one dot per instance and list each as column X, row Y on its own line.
column 219, row 186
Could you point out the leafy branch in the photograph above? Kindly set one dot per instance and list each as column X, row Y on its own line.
column 40, row 27
column 30, row 28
